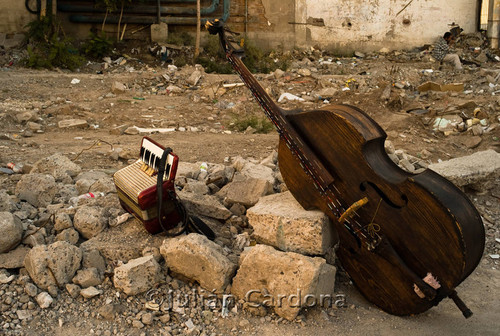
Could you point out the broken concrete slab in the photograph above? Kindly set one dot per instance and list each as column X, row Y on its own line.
column 196, row 187
column 199, row 259
column 188, row 169
column 159, row 33
column 204, row 205
column 73, row 123
column 475, row 171
column 138, row 275
column 432, row 86
column 257, row 171
column 285, row 281
column 280, row 221
column 246, row 191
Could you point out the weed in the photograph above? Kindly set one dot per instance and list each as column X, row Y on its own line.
column 213, row 59
column 214, row 64
column 180, row 39
column 260, row 124
column 181, row 60
column 98, row 45
column 47, row 48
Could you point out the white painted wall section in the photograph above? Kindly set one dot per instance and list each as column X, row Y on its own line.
column 372, row 24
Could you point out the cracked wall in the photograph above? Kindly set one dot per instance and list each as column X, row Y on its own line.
column 362, row 24
column 387, row 23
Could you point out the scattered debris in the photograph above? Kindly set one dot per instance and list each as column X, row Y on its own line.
column 431, row 86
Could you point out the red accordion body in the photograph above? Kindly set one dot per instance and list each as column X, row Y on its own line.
column 136, row 187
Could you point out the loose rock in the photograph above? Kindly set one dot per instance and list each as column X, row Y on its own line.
column 89, row 221
column 11, row 231
column 90, row 292
column 199, row 259
column 267, row 274
column 88, row 277
column 37, row 189
column 58, row 166
column 138, row 275
column 55, row 264
column 280, row 221
column 14, row 258
column 44, row 300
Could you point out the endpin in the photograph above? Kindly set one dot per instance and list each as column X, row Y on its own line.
column 466, row 312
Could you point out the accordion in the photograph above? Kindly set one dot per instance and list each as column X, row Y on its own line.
column 136, row 186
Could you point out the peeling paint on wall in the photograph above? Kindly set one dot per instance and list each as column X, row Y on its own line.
column 388, row 23
column 278, row 13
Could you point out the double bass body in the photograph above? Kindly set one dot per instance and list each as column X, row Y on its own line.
column 432, row 226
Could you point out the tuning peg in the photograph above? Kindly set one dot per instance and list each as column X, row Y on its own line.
column 214, row 26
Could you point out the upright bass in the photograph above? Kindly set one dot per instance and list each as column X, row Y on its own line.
column 406, row 240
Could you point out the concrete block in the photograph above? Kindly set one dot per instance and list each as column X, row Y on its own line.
column 199, row 259
column 159, row 32
column 280, row 221
column 475, row 171
column 285, row 281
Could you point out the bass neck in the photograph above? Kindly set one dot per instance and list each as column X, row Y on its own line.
column 308, row 159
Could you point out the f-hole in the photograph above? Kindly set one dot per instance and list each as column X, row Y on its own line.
column 364, row 186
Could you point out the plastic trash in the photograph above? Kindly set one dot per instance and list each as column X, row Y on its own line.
column 76, row 199
column 6, row 171
column 289, row 96
column 15, row 168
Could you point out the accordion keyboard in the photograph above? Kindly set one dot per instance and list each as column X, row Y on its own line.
column 150, row 156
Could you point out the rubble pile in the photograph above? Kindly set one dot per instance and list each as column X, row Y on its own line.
column 69, row 250
column 65, row 250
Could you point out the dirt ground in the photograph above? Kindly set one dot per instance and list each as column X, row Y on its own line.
column 209, row 137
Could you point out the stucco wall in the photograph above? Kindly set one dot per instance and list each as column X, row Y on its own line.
column 13, row 16
column 365, row 24
column 385, row 23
